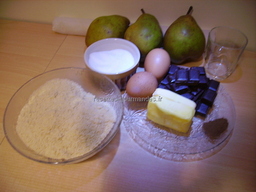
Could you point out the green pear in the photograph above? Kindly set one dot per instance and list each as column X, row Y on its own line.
column 145, row 33
column 111, row 26
column 184, row 40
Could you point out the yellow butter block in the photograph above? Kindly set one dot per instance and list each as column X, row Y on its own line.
column 174, row 96
column 171, row 110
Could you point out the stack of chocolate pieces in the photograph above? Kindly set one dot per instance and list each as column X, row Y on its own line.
column 193, row 84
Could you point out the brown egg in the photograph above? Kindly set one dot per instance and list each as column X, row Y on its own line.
column 157, row 62
column 141, row 84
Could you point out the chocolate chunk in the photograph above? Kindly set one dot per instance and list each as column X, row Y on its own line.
column 193, row 76
column 165, row 81
column 213, row 129
column 182, row 76
column 203, row 81
column 169, row 86
column 198, row 95
column 209, row 97
column 173, row 69
column 180, row 89
column 196, row 91
column 162, row 86
column 214, row 85
column 171, row 78
column 202, row 109
column 188, row 95
column 200, row 69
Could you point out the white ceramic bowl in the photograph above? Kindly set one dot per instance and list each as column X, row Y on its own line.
column 119, row 77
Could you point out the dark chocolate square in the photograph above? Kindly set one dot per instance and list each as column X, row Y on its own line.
column 196, row 90
column 214, row 85
column 193, row 76
column 180, row 89
column 165, row 81
column 202, row 109
column 162, row 86
column 209, row 97
column 203, row 80
column 198, row 96
column 182, row 76
column 171, row 78
column 173, row 69
column 200, row 69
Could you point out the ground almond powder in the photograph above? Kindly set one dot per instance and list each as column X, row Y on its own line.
column 62, row 121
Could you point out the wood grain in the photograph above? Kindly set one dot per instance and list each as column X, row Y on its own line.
column 28, row 49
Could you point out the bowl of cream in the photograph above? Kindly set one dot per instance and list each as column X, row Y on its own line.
column 116, row 58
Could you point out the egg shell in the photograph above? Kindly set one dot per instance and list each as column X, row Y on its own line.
column 157, row 62
column 141, row 84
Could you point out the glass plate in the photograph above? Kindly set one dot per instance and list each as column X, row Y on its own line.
column 172, row 145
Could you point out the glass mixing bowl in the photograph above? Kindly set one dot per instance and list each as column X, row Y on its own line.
column 99, row 85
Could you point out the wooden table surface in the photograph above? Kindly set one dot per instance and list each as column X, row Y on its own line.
column 28, row 49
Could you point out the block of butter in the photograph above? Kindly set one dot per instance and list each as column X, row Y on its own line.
column 171, row 110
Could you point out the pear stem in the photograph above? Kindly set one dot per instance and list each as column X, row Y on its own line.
column 142, row 10
column 190, row 10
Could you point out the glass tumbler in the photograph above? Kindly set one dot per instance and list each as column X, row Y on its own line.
column 224, row 47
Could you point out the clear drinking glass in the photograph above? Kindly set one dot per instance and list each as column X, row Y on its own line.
column 224, row 47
